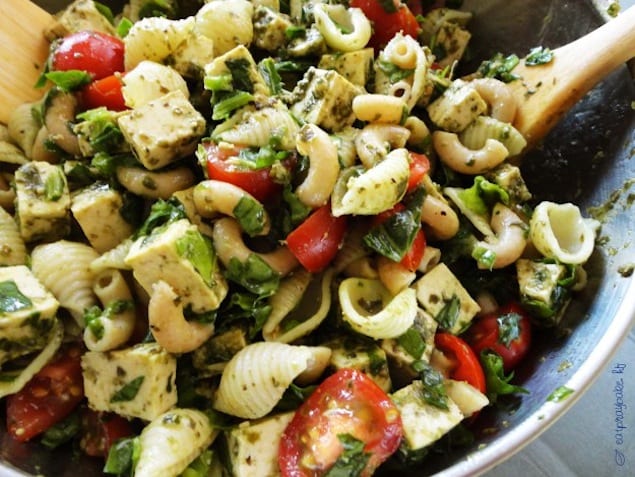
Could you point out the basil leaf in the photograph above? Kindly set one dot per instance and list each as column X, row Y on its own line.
column 394, row 236
column 433, row 388
column 254, row 274
column 128, row 391
column 123, row 27
column 539, row 56
column 353, row 459
column 394, row 72
column 229, row 103
column 508, row 328
column 61, row 432
column 500, row 67
column 268, row 71
column 412, row 342
column 69, row 80
column 497, row 383
column 560, row 394
column 245, row 306
column 251, row 216
column 239, row 69
column 99, row 127
column 298, row 211
column 162, row 213
column 198, row 250
column 54, row 186
column 449, row 314
column 11, row 298
column 123, row 456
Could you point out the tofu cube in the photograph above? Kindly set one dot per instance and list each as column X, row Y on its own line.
column 42, row 202
column 253, row 446
column 451, row 41
column 163, row 130
column 27, row 313
column 239, row 58
column 83, row 15
column 164, row 256
column 457, row 107
column 325, row 98
column 363, row 355
column 441, row 294
column 423, row 423
column 355, row 66
column 134, row 382
column 97, row 210
column 270, row 28
column 540, row 289
column 510, row 178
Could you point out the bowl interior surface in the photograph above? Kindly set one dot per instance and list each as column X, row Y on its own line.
column 587, row 160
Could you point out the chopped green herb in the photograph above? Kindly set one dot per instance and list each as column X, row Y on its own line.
column 54, row 186
column 539, row 56
column 11, row 298
column 500, row 67
column 223, row 108
column 163, row 212
column 128, row 391
column 239, row 69
column 433, row 389
column 69, row 80
column 267, row 68
column 123, row 27
column 122, row 457
column 449, row 314
column 105, row 11
column 497, row 383
column 484, row 257
column 412, row 342
column 254, row 274
column 295, row 31
column 353, row 459
column 508, row 328
column 198, row 250
column 394, row 72
column 61, row 432
column 251, row 216
column 560, row 394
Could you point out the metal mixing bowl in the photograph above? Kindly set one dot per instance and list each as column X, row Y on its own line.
column 588, row 160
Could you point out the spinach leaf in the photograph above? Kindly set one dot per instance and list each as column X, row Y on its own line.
column 11, row 298
column 239, row 69
column 254, row 274
column 412, row 342
column 497, row 383
column 251, row 216
column 61, row 432
column 198, row 250
column 163, row 212
column 267, row 68
column 123, row 456
column 69, row 80
column 245, row 306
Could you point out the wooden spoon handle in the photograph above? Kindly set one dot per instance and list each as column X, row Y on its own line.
column 23, row 52
column 546, row 92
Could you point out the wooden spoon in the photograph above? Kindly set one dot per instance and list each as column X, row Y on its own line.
column 23, row 52
column 546, row 92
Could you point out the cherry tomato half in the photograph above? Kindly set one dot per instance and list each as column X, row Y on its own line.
column 99, row 54
column 258, row 182
column 100, row 430
column 506, row 332
column 419, row 167
column 104, row 92
column 316, row 240
column 47, row 398
column 467, row 366
column 347, row 402
column 387, row 24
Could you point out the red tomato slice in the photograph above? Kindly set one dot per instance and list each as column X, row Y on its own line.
column 419, row 167
column 316, row 240
column 347, row 402
column 258, row 182
column 97, row 53
column 100, row 430
column 386, row 25
column 49, row 397
column 413, row 256
column 104, row 92
column 467, row 368
column 485, row 334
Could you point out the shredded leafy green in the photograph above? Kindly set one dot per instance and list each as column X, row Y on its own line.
column 539, row 56
column 353, row 459
column 449, row 314
column 54, row 186
column 497, row 383
column 123, row 27
column 251, row 307
column 267, row 68
column 11, row 298
column 500, row 67
column 128, row 391
column 105, row 11
column 508, row 328
column 163, row 212
column 254, row 274
column 412, row 342
column 61, row 432
column 69, row 80
column 293, row 396
column 123, row 456
column 251, row 216
column 394, row 72
column 433, row 388
column 198, row 250
column 231, row 102
column 100, row 128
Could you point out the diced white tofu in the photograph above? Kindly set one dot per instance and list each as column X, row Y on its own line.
column 97, row 209
column 149, row 81
column 365, row 356
column 83, row 15
column 399, row 357
column 510, row 178
column 134, row 382
column 538, row 280
column 270, row 28
column 441, row 294
column 222, row 65
column 42, row 201
column 423, row 423
column 355, row 66
column 163, row 130
column 253, row 446
column 192, row 55
column 325, row 98
column 159, row 257
column 27, row 312
column 450, row 44
column 457, row 107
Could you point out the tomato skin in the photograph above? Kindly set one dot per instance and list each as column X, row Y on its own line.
column 50, row 396
column 484, row 334
column 419, row 167
column 100, row 430
column 468, row 368
column 104, row 92
column 386, row 25
column 258, row 182
column 367, row 414
column 99, row 54
column 316, row 240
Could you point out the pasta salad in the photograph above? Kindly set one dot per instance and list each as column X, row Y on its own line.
column 260, row 238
